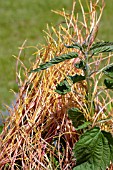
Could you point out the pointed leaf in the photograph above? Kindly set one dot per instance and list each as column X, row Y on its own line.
column 102, row 50
column 74, row 45
column 108, row 83
column 83, row 126
column 80, row 65
column 76, row 116
column 63, row 88
column 101, row 47
column 110, row 142
column 65, row 85
column 83, row 166
column 56, row 60
column 100, row 44
column 109, row 71
column 76, row 78
column 92, row 151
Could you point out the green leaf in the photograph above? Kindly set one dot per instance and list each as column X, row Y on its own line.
column 109, row 71
column 1, row 128
column 74, row 45
column 76, row 78
column 80, row 65
column 108, row 83
column 101, row 44
column 84, row 166
column 92, row 151
column 101, row 47
column 65, row 85
column 83, row 126
column 110, row 142
column 56, row 60
column 76, row 116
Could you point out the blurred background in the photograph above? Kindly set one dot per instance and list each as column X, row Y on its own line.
column 21, row 20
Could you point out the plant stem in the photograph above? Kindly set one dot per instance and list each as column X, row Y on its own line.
column 89, row 91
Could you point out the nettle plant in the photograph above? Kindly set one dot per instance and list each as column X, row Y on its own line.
column 94, row 149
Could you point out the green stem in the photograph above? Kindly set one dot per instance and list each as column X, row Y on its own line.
column 89, row 91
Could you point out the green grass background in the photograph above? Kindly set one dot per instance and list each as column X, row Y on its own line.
column 20, row 20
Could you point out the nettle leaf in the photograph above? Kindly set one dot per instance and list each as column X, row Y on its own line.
column 109, row 71
column 110, row 142
column 101, row 44
column 63, row 88
column 92, row 151
column 74, row 45
column 80, row 65
column 108, row 83
column 102, row 50
column 84, row 166
column 56, row 60
column 76, row 78
column 65, row 85
column 83, row 126
column 101, row 47
column 76, row 116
